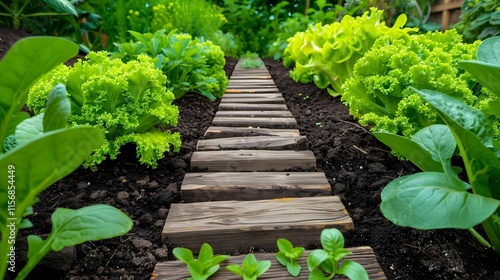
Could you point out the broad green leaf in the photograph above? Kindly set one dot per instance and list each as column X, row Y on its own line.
column 234, row 268
column 206, row 253
column 42, row 162
column 353, row 270
column 262, row 267
column 293, row 268
column 438, row 141
column 315, row 258
column 57, row 110
column 489, row 50
column 218, row 259
column 26, row 61
column 35, row 244
column 29, row 129
column 284, row 245
column 63, row 6
column 317, row 275
column 15, row 120
column 486, row 73
column 195, row 269
column 183, row 254
column 210, row 271
column 331, row 239
column 429, row 200
column 412, row 151
column 90, row 223
column 282, row 258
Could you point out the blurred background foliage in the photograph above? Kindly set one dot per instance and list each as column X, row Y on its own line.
column 237, row 26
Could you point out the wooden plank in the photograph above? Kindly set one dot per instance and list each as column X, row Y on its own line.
column 251, row 82
column 176, row 270
column 266, row 99
column 252, row 95
column 255, row 90
column 298, row 143
column 275, row 114
column 218, row 186
column 447, row 6
column 250, row 86
column 255, row 122
column 252, row 107
column 252, row 160
column 267, row 76
column 223, row 132
column 240, row 225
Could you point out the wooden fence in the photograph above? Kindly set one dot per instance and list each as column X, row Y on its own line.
column 446, row 12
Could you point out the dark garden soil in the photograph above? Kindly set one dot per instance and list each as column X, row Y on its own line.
column 356, row 164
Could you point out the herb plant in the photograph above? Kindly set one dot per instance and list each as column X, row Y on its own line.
column 479, row 19
column 204, row 266
column 128, row 101
column 325, row 263
column 251, row 268
column 39, row 151
column 288, row 256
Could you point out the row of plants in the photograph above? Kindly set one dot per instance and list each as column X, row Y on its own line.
column 323, row 264
column 237, row 26
column 423, row 95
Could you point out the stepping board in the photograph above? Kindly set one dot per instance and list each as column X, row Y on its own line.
column 268, row 122
column 252, row 160
column 223, row 132
column 275, row 114
column 177, row 270
column 254, row 143
column 241, row 225
column 217, row 186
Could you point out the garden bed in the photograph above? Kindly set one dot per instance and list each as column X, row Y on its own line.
column 356, row 164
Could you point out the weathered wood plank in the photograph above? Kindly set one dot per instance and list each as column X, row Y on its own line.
column 253, row 143
column 254, row 100
column 252, row 107
column 264, row 90
column 252, row 95
column 224, row 132
column 218, row 186
column 251, row 77
column 255, row 122
column 252, row 160
column 250, row 87
column 251, row 82
column 240, row 225
column 275, row 114
column 176, row 270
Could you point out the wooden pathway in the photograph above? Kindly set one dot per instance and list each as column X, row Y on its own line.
column 255, row 181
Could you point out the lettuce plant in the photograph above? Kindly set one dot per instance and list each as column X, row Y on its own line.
column 128, row 101
column 324, row 263
column 202, row 267
column 326, row 54
column 251, row 268
column 437, row 198
column 190, row 65
column 39, row 151
column 379, row 93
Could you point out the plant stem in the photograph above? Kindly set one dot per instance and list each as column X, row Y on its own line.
column 479, row 237
column 18, row 15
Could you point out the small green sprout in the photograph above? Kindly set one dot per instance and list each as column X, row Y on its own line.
column 288, row 256
column 250, row 269
column 204, row 266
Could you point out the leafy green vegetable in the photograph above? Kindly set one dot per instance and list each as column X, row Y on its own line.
column 250, row 269
column 479, row 19
column 432, row 200
column 288, row 256
column 128, row 101
column 190, row 65
column 40, row 152
column 326, row 54
column 379, row 93
column 204, row 266
column 327, row 260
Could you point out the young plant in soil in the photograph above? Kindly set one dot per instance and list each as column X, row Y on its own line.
column 39, row 151
column 288, row 256
column 204, row 266
column 325, row 263
column 251, row 268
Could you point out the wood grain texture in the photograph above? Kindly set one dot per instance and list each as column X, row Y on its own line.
column 253, row 143
column 176, row 270
column 255, row 90
column 251, row 82
column 251, row 107
column 240, row 225
column 275, row 114
column 217, row 186
column 266, row 76
column 254, row 100
column 252, row 160
column 252, row 95
column 255, row 122
column 250, row 86
column 224, row 131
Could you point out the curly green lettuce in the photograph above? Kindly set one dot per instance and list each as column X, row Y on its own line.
column 379, row 93
column 128, row 101
column 326, row 54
